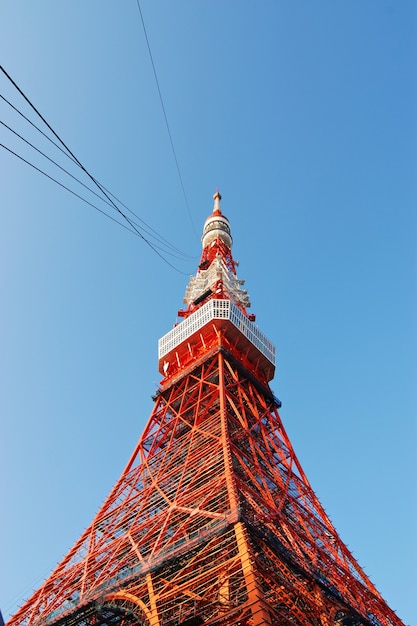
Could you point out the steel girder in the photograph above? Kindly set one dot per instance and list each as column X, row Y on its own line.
column 213, row 521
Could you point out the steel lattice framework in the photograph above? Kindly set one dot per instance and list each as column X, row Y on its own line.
column 213, row 520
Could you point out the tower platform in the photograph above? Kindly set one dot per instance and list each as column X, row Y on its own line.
column 213, row 521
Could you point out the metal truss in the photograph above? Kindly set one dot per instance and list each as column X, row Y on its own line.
column 214, row 520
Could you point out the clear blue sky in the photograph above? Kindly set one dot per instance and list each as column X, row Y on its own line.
column 304, row 115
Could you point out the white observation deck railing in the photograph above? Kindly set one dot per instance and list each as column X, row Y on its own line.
column 216, row 309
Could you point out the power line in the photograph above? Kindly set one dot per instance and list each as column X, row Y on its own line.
column 150, row 231
column 37, row 128
column 65, row 146
column 157, row 237
column 134, row 231
column 65, row 187
column 166, row 118
column 54, row 162
column 129, row 221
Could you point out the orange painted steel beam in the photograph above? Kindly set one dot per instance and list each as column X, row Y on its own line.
column 213, row 520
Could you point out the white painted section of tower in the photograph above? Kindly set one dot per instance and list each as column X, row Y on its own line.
column 207, row 279
column 216, row 226
column 216, row 309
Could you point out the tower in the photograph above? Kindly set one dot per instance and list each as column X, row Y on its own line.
column 213, row 520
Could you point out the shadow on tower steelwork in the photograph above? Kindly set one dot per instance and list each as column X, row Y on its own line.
column 213, row 521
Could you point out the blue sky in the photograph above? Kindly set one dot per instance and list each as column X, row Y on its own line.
column 304, row 115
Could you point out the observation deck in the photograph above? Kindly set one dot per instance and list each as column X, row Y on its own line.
column 218, row 321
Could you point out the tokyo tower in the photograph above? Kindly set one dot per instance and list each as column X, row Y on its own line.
column 213, row 520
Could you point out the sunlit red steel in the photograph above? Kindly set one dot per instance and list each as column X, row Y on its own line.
column 213, row 521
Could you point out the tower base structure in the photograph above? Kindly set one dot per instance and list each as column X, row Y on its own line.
column 213, row 520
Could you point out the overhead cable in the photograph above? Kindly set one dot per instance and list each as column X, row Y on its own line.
column 132, row 230
column 129, row 221
column 65, row 187
column 150, row 229
column 166, row 118
column 170, row 250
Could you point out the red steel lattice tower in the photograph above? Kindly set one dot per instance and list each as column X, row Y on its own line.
column 213, row 521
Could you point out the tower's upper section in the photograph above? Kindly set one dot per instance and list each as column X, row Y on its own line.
column 217, row 226
column 216, row 315
column 216, row 275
